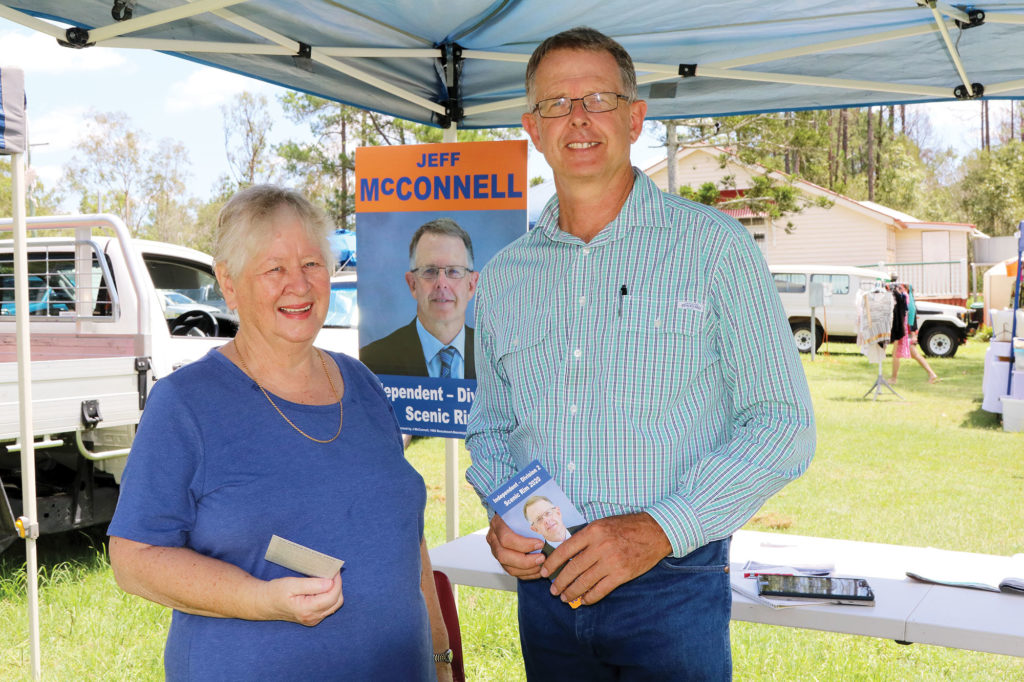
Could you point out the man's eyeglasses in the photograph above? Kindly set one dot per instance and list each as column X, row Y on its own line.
column 546, row 515
column 431, row 272
column 595, row 103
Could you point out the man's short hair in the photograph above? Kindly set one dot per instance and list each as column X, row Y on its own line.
column 582, row 38
column 445, row 227
column 533, row 499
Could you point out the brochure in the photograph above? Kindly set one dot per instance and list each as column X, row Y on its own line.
column 1001, row 576
column 532, row 504
column 301, row 559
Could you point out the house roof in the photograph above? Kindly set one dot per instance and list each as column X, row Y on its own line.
column 742, row 212
column 910, row 222
column 884, row 214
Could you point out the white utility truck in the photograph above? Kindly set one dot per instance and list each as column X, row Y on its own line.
column 941, row 328
column 99, row 339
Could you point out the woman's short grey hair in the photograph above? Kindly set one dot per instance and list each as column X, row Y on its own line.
column 244, row 225
column 582, row 38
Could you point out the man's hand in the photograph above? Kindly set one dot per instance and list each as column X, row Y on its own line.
column 513, row 550
column 605, row 554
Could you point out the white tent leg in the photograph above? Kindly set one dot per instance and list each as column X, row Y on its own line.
column 451, row 485
column 451, row 445
column 30, row 518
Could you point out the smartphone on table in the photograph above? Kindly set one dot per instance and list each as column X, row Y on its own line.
column 816, row 588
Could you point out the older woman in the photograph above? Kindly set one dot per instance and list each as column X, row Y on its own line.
column 271, row 436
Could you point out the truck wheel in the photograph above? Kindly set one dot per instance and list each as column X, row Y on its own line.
column 939, row 341
column 802, row 336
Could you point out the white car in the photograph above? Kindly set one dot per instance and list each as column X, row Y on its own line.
column 941, row 327
column 341, row 328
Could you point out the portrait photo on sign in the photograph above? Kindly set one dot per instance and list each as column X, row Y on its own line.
column 418, row 276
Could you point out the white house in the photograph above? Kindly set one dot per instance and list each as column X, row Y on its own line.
column 931, row 256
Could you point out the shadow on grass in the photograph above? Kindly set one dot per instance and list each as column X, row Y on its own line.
column 845, row 353
column 980, row 419
column 81, row 547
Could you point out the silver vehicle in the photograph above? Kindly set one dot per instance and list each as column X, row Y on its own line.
column 175, row 303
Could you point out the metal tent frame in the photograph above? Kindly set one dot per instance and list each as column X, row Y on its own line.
column 461, row 63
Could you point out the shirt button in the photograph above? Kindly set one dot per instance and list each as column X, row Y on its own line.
column 657, row 323
column 571, row 467
column 585, row 250
column 572, row 409
column 577, row 353
column 515, row 342
column 583, row 299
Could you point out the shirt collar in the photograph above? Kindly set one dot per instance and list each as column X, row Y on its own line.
column 431, row 345
column 643, row 206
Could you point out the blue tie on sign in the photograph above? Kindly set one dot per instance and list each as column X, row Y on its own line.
column 446, row 354
column 13, row 127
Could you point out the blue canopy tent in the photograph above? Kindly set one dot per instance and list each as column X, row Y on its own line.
column 462, row 61
column 343, row 244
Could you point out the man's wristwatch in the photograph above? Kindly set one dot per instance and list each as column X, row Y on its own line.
column 443, row 657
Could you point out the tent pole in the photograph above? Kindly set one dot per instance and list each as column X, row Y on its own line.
column 451, row 445
column 951, row 48
column 29, row 519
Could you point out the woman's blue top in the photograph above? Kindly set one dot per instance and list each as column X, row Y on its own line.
column 215, row 468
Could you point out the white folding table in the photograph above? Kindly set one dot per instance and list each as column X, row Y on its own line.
column 905, row 610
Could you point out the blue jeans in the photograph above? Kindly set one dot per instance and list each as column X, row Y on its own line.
column 671, row 623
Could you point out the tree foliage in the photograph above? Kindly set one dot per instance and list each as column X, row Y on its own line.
column 876, row 153
column 39, row 199
column 107, row 169
column 116, row 170
column 992, row 189
column 247, row 125
column 324, row 166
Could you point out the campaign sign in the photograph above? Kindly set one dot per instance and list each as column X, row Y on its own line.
column 428, row 218
column 433, row 407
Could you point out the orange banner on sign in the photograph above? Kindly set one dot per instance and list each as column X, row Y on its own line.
column 465, row 176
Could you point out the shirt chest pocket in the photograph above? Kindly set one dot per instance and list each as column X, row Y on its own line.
column 526, row 358
column 659, row 349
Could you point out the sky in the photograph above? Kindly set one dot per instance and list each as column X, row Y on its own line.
column 169, row 97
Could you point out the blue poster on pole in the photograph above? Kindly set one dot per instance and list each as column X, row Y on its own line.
column 428, row 217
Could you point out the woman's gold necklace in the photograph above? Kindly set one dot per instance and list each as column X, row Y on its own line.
column 341, row 407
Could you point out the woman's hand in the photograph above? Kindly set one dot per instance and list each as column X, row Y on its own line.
column 185, row 580
column 443, row 671
column 305, row 601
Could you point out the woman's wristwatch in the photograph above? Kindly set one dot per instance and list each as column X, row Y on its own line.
column 443, row 657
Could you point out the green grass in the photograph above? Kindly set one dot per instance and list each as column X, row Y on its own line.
column 932, row 469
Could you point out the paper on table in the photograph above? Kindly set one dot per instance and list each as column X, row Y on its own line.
column 787, row 558
column 993, row 574
column 822, row 568
column 302, row 559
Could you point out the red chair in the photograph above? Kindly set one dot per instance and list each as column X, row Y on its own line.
column 450, row 613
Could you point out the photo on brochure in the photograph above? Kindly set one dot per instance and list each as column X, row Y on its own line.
column 533, row 505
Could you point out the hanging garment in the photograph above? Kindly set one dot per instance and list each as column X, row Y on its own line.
column 874, row 322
